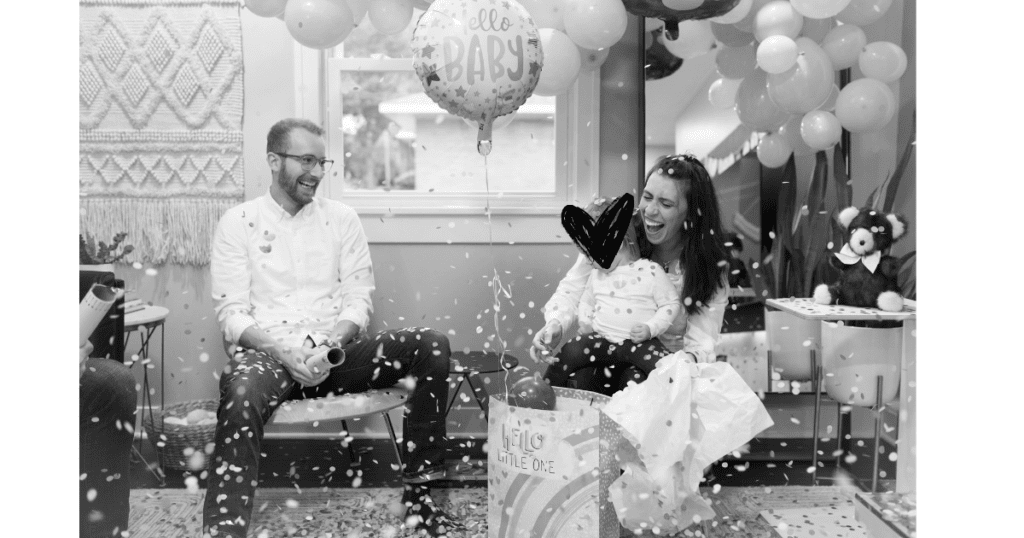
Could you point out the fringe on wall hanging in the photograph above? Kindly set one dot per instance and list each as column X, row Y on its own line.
column 160, row 141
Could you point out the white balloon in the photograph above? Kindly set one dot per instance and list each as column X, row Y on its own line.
column 722, row 92
column 883, row 61
column 791, row 132
column 819, row 9
column 390, row 17
column 746, row 24
column 820, row 130
column 843, row 44
column 695, row 39
column 682, row 5
column 773, row 151
column 652, row 24
column 318, row 24
column 359, row 9
column 777, row 18
column 595, row 24
column 561, row 63
column 829, row 105
column 736, row 14
column 807, row 84
column 817, row 29
column 592, row 59
column 546, row 13
column 736, row 62
column 776, row 54
column 864, row 12
column 266, row 8
column 865, row 105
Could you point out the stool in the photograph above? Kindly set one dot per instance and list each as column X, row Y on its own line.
column 470, row 365
column 861, row 359
column 146, row 321
column 347, row 406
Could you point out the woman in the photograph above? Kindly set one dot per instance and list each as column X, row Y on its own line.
column 682, row 231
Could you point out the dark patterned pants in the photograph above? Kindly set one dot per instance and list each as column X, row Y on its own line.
column 592, row 350
column 256, row 384
column 106, row 420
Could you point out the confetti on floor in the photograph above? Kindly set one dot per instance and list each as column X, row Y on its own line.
column 367, row 512
column 822, row 522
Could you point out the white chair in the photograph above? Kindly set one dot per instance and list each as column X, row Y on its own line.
column 291, row 417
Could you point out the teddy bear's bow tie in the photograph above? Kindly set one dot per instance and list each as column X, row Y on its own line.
column 849, row 257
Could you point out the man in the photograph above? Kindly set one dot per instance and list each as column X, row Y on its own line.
column 287, row 266
column 106, row 420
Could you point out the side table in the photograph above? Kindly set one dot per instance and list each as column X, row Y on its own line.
column 469, row 366
column 146, row 322
column 906, row 442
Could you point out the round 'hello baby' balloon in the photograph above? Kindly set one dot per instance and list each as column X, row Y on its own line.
column 477, row 59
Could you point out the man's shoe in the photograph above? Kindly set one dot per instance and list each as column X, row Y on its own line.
column 421, row 513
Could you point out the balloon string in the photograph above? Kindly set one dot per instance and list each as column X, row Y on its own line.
column 496, row 287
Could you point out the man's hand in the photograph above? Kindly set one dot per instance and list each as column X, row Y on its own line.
column 640, row 333
column 343, row 333
column 83, row 355
column 294, row 360
column 545, row 341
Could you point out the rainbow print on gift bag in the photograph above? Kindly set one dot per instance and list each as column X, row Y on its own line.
column 549, row 471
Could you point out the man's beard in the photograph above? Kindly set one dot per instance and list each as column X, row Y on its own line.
column 296, row 192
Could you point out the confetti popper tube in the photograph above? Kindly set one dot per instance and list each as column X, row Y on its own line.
column 93, row 308
column 325, row 360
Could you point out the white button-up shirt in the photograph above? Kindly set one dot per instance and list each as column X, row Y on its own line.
column 290, row 276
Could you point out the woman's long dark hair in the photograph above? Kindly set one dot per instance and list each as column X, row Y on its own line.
column 703, row 258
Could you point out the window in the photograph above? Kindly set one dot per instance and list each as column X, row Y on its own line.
column 401, row 159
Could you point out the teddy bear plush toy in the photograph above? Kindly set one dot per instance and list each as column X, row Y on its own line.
column 868, row 278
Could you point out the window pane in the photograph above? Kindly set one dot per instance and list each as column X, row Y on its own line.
column 397, row 138
column 522, row 158
column 365, row 41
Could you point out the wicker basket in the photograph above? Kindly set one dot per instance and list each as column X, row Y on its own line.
column 177, row 438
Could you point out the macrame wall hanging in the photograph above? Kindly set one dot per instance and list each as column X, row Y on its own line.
column 160, row 142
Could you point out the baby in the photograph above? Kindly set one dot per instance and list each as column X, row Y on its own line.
column 632, row 299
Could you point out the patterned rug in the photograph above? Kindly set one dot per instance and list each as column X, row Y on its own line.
column 160, row 119
column 375, row 512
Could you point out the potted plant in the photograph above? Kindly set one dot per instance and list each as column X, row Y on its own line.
column 99, row 256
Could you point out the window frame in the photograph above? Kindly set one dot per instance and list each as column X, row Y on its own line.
column 409, row 217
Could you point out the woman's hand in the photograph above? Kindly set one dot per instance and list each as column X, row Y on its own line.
column 83, row 355
column 545, row 342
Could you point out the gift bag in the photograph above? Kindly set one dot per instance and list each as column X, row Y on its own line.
column 548, row 472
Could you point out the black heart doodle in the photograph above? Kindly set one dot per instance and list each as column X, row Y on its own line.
column 600, row 241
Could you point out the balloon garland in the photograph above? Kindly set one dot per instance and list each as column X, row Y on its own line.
column 776, row 58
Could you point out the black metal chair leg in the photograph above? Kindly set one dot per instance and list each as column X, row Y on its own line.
column 394, row 438
column 816, row 386
column 351, row 451
column 481, row 400
column 455, row 394
column 878, row 433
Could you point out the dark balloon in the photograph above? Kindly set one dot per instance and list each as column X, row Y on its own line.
column 532, row 392
column 656, row 9
column 659, row 62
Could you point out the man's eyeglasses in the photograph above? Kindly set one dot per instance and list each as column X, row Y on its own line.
column 308, row 161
